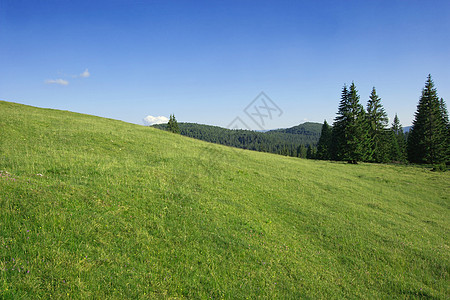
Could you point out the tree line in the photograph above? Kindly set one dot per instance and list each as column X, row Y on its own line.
column 359, row 134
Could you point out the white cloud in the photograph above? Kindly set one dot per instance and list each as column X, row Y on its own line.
column 85, row 74
column 57, row 81
column 151, row 120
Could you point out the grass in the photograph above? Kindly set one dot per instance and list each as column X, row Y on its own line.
column 98, row 208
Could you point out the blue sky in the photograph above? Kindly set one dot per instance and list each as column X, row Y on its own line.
column 205, row 61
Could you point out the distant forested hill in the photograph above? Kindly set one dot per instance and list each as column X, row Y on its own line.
column 292, row 141
column 306, row 129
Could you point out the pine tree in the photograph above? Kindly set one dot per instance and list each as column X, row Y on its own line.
column 338, row 130
column 172, row 126
column 394, row 152
column 309, row 152
column 398, row 150
column 396, row 126
column 378, row 137
column 428, row 141
column 350, row 129
column 301, row 151
column 324, row 144
column 444, row 114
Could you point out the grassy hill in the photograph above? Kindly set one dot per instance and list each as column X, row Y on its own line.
column 98, row 208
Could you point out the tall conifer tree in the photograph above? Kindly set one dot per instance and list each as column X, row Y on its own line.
column 444, row 113
column 324, row 144
column 350, row 129
column 428, row 141
column 378, row 136
column 340, row 122
column 398, row 151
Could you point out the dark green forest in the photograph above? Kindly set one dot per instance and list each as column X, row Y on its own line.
column 298, row 141
column 362, row 134
column 358, row 133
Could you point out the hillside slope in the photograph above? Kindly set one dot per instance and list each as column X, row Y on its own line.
column 98, row 208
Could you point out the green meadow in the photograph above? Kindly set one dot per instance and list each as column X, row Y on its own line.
column 98, row 208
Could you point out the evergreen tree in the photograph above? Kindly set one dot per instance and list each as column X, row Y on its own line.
column 398, row 150
column 377, row 120
column 352, row 133
column 301, row 151
column 309, row 152
column 313, row 154
column 172, row 126
column 394, row 153
column 444, row 114
column 338, row 130
column 324, row 144
column 428, row 141
column 397, row 126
